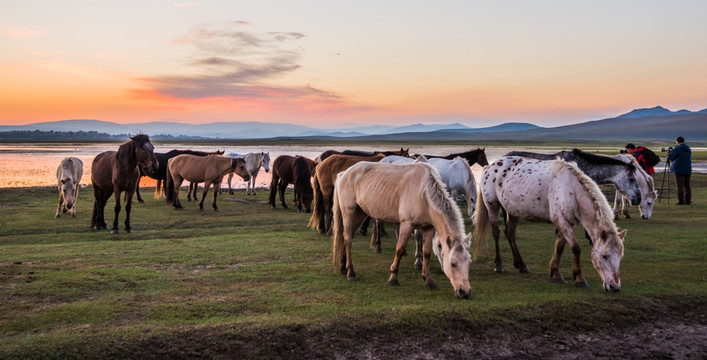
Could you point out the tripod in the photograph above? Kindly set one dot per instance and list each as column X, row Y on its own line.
column 666, row 173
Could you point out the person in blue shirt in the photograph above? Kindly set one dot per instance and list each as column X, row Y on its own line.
column 681, row 166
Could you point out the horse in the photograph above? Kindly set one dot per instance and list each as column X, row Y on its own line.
column 295, row 170
column 161, row 173
column 117, row 171
column 401, row 152
column 253, row 162
column 209, row 170
column 323, row 184
column 68, row 176
column 477, row 156
column 648, row 192
column 603, row 170
column 411, row 195
column 555, row 191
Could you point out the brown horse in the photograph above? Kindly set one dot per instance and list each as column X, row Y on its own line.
column 324, row 179
column 117, row 171
column 295, row 170
column 401, row 152
column 207, row 169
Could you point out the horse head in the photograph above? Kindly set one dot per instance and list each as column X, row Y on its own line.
column 306, row 198
column 239, row 167
column 606, row 257
column 67, row 188
column 404, row 152
column 266, row 161
column 455, row 259
column 481, row 157
column 145, row 152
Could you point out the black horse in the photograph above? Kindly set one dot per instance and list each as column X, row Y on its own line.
column 160, row 174
column 477, row 156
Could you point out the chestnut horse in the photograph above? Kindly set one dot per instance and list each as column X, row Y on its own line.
column 324, row 178
column 295, row 170
column 117, row 171
column 209, row 170
column 413, row 196
column 401, row 152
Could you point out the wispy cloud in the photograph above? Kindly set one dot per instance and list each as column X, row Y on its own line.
column 20, row 32
column 232, row 62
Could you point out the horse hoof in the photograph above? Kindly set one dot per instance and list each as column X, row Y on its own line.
column 284, row 206
column 394, row 282
column 379, row 249
column 141, row 201
column 57, row 216
column 115, row 231
column 498, row 269
column 582, row 284
column 73, row 216
column 231, row 193
column 559, row 280
column 217, row 209
column 628, row 216
column 351, row 278
column 431, row 285
column 128, row 231
column 418, row 265
column 524, row 270
column 362, row 232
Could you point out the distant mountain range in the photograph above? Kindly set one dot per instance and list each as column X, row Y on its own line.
column 640, row 124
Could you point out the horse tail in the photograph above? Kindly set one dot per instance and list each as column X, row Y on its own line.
column 169, row 186
column 158, row 189
column 273, row 188
column 337, row 233
column 318, row 206
column 481, row 220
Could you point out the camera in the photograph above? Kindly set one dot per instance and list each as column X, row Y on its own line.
column 623, row 151
column 668, row 149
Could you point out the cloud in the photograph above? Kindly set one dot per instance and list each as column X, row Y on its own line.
column 20, row 32
column 242, row 65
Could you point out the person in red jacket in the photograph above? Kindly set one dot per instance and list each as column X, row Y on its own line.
column 637, row 152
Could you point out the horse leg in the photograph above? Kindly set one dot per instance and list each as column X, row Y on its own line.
column 76, row 199
column 351, row 219
column 158, row 189
column 624, row 207
column 364, row 227
column 217, row 186
column 177, row 184
column 568, row 235
column 251, row 182
column 376, row 236
column 511, row 225
column 427, row 237
column 405, row 231
column 137, row 192
column 128, row 207
column 419, row 249
column 230, row 190
column 207, row 184
column 282, row 187
column 116, row 209
column 61, row 202
column 555, row 261
column 617, row 199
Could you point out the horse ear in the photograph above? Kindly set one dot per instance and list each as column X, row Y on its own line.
column 622, row 234
column 467, row 238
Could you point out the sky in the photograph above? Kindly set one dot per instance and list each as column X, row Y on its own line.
column 332, row 64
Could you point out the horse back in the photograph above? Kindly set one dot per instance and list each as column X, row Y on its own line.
column 282, row 167
column 328, row 169
column 197, row 168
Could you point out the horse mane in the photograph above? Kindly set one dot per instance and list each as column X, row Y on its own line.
column 603, row 213
column 599, row 159
column 438, row 197
column 126, row 151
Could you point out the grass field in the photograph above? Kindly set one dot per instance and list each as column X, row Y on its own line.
column 251, row 281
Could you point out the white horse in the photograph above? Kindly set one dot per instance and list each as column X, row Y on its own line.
column 411, row 195
column 68, row 176
column 648, row 192
column 253, row 163
column 555, row 191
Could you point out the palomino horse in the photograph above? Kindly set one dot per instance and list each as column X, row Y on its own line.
column 324, row 178
column 161, row 173
column 401, row 152
column 648, row 192
column 477, row 156
column 555, row 191
column 253, row 162
column 68, row 175
column 209, row 170
column 115, row 172
column 458, row 179
column 295, row 170
column 602, row 169
column 411, row 195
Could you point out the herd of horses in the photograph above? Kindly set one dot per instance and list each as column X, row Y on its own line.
column 417, row 194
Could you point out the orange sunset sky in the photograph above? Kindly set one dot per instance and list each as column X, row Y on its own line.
column 341, row 63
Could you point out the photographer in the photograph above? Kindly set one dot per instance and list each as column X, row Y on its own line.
column 681, row 157
column 644, row 156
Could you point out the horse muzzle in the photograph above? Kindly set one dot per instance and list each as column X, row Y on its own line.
column 69, row 205
column 463, row 294
column 612, row 287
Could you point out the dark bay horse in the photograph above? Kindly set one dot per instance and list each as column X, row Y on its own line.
column 295, row 170
column 160, row 174
column 401, row 152
column 477, row 156
column 117, row 171
column 208, row 169
column 324, row 179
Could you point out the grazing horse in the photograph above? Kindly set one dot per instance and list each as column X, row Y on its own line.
column 602, row 169
column 209, row 170
column 648, row 192
column 324, row 178
column 117, row 171
column 253, row 162
column 477, row 156
column 295, row 170
column 411, row 195
column 68, row 176
column 401, row 152
column 161, row 173
column 555, row 191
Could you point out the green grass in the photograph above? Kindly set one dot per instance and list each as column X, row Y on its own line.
column 184, row 278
